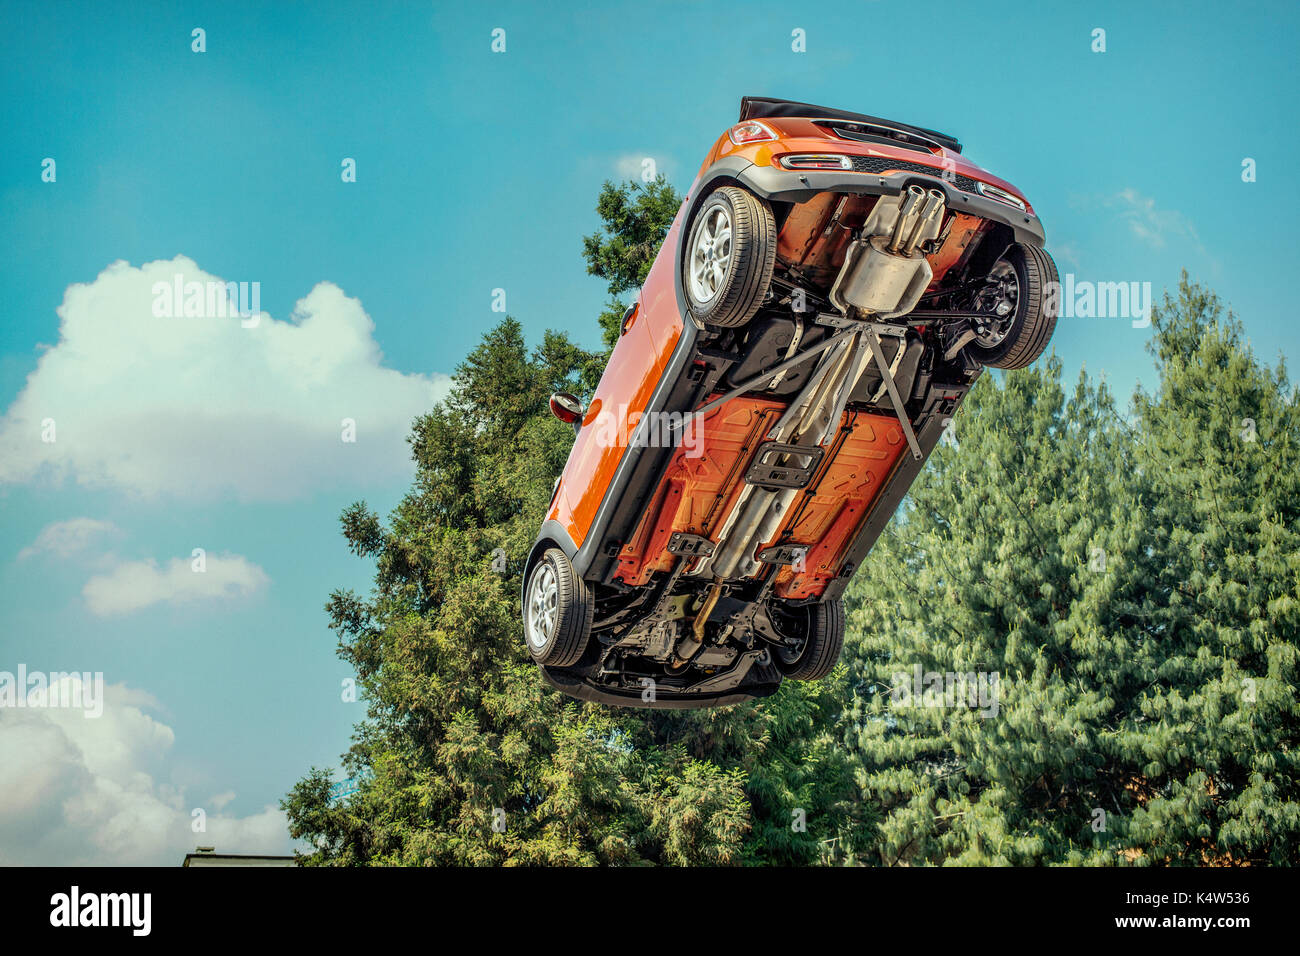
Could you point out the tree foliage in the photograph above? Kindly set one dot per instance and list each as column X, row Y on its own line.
column 634, row 220
column 1133, row 584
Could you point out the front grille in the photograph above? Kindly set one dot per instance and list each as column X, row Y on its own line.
column 880, row 164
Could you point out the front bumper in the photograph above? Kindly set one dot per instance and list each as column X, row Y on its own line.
column 762, row 681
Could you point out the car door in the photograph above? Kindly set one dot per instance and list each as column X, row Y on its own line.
column 635, row 367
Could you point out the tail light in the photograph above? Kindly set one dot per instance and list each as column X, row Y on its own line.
column 816, row 161
column 750, row 131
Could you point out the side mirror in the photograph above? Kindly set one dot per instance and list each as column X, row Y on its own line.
column 567, row 409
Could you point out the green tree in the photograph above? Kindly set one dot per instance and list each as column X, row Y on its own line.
column 466, row 756
column 1133, row 585
column 634, row 220
column 1219, row 450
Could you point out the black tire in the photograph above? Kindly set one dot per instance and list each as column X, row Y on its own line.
column 1037, row 305
column 823, row 626
column 562, row 641
column 752, row 257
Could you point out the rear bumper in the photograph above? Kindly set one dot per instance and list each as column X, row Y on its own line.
column 800, row 185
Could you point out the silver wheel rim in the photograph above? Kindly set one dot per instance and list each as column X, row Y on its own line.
column 998, row 302
column 543, row 600
column 711, row 257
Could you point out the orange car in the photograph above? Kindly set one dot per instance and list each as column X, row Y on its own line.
column 829, row 291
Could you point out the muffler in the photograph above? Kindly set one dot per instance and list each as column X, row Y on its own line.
column 885, row 273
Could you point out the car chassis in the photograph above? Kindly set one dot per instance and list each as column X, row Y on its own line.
column 821, row 384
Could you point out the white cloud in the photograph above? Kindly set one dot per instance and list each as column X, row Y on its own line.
column 133, row 585
column 82, row 791
column 1067, row 253
column 66, row 538
column 204, row 406
column 1152, row 225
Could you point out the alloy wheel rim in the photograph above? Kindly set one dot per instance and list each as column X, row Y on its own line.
column 711, row 256
column 998, row 302
column 543, row 601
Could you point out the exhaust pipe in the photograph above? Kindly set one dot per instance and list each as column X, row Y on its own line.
column 928, row 222
column 690, row 645
column 908, row 213
column 806, row 422
column 810, row 421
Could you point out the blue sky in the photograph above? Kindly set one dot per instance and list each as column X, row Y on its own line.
column 475, row 171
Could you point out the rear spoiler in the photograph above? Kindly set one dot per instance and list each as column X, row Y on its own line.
column 760, row 107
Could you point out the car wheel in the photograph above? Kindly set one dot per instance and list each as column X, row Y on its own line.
column 729, row 257
column 1022, row 301
column 557, row 611
column 823, row 638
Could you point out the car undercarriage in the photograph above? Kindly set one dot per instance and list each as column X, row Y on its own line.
column 832, row 335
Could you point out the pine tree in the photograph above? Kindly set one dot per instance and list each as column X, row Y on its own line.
column 634, row 219
column 1132, row 584
column 1220, row 452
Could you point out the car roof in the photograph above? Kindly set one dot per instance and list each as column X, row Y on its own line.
column 761, row 107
